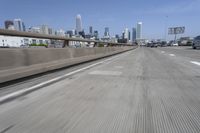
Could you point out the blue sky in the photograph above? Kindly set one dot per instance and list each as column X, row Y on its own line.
column 114, row 14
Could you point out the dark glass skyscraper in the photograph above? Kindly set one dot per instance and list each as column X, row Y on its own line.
column 96, row 34
column 91, row 30
column 8, row 23
column 133, row 34
column 106, row 33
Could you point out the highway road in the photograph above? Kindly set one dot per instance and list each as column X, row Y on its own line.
column 146, row 90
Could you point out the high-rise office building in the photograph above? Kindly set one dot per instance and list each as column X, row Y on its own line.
column 82, row 33
column 139, row 30
column 117, row 36
column 126, row 34
column 91, row 30
column 44, row 29
column 34, row 29
column 133, row 34
column 106, row 33
column 19, row 25
column 70, row 33
column 8, row 23
column 60, row 32
column 78, row 24
column 51, row 31
column 96, row 34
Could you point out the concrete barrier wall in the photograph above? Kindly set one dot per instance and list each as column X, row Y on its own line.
column 19, row 63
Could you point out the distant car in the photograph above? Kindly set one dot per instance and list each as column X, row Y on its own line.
column 159, row 43
column 196, row 42
column 189, row 43
column 170, row 43
column 163, row 44
column 175, row 44
column 154, row 45
column 142, row 44
column 149, row 44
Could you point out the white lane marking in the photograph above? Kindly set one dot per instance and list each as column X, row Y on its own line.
column 162, row 52
column 27, row 90
column 172, row 55
column 195, row 62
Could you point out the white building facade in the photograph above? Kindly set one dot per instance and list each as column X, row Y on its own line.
column 8, row 41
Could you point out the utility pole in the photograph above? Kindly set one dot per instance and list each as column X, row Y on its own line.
column 166, row 20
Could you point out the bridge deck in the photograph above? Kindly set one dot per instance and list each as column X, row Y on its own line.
column 142, row 91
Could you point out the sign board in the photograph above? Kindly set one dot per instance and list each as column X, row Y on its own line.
column 176, row 30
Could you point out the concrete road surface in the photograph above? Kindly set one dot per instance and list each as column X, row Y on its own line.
column 146, row 90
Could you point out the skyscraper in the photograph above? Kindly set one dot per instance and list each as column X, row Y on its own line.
column 70, row 33
column 91, row 30
column 19, row 25
column 133, row 34
column 51, row 31
column 126, row 34
column 8, row 23
column 78, row 24
column 106, row 33
column 60, row 32
column 44, row 29
column 117, row 36
column 96, row 34
column 139, row 30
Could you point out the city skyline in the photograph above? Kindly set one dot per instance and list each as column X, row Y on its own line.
column 114, row 18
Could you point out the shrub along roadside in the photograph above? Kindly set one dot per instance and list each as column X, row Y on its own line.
column 44, row 45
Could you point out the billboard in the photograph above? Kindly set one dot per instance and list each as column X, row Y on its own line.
column 176, row 30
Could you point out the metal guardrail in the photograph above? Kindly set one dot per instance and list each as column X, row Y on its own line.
column 53, row 37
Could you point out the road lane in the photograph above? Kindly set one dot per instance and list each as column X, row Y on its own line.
column 143, row 91
column 183, row 51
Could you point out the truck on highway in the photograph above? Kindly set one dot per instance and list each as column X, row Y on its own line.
column 196, row 42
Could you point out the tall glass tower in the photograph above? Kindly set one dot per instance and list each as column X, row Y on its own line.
column 19, row 25
column 139, row 30
column 91, row 30
column 106, row 33
column 133, row 34
column 78, row 24
column 126, row 34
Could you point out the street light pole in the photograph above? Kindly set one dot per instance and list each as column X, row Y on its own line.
column 166, row 17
